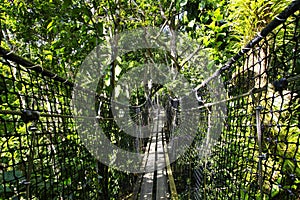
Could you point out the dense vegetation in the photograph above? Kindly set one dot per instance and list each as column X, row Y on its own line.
column 58, row 35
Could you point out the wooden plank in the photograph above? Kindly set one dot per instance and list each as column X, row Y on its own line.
column 156, row 158
column 140, row 176
column 161, row 182
column 148, row 178
column 174, row 194
column 156, row 153
column 138, row 183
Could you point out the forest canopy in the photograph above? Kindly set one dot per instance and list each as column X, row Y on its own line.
column 58, row 35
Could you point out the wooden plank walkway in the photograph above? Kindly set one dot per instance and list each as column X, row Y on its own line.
column 154, row 183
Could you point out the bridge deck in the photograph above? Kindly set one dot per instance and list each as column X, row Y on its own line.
column 159, row 182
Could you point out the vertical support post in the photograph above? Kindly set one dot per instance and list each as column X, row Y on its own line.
column 32, row 129
column 259, row 138
column 30, row 116
column 137, row 124
column 206, row 152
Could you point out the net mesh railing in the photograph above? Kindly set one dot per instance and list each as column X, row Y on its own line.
column 258, row 153
column 256, row 157
column 41, row 156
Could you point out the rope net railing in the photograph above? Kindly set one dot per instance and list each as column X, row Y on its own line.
column 257, row 155
column 41, row 156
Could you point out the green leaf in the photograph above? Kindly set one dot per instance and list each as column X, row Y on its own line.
column 191, row 23
column 19, row 85
column 217, row 15
column 183, row 3
column 68, row 181
column 50, row 26
column 274, row 191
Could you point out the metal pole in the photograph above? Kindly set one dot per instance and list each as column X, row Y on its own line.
column 259, row 137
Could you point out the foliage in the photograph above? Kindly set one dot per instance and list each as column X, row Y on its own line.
column 248, row 17
column 59, row 34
